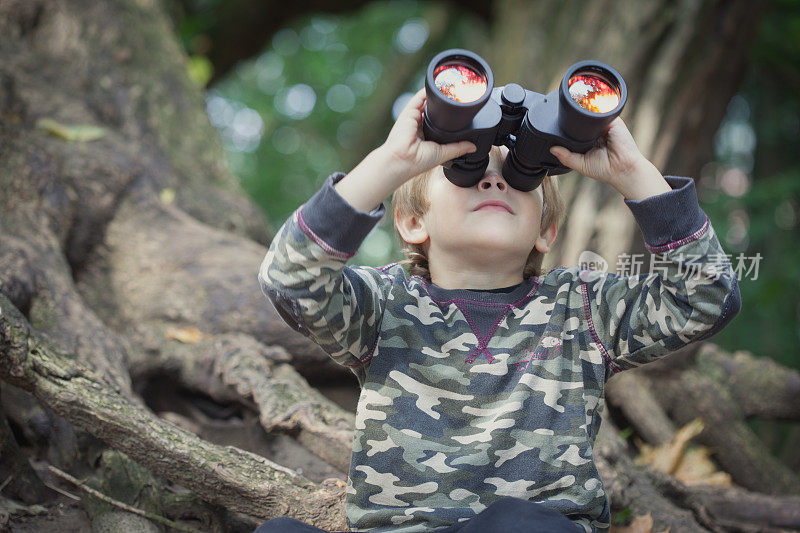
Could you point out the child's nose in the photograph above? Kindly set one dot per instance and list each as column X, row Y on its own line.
column 491, row 179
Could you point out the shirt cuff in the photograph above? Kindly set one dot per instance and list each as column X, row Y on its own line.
column 670, row 216
column 332, row 219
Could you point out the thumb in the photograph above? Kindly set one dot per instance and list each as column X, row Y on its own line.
column 453, row 150
column 568, row 158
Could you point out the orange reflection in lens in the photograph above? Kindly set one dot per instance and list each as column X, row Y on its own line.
column 459, row 83
column 593, row 93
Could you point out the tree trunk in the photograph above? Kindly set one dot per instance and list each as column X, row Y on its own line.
column 132, row 258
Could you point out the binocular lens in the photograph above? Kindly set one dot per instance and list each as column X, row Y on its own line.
column 459, row 82
column 592, row 92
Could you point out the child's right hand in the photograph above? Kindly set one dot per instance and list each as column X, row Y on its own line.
column 405, row 145
column 404, row 155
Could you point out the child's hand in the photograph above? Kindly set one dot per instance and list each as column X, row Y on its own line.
column 404, row 155
column 406, row 146
column 618, row 162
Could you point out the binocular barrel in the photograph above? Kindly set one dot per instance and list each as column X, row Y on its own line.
column 457, row 85
column 591, row 95
column 463, row 104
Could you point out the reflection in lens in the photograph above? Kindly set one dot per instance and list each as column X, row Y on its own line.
column 593, row 93
column 459, row 82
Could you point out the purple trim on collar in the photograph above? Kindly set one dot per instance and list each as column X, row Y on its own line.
column 522, row 294
column 384, row 268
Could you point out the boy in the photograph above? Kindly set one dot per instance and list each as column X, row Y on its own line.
column 482, row 384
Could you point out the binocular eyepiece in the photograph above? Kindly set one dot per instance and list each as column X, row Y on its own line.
column 462, row 104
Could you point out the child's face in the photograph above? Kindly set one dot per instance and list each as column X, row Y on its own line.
column 454, row 231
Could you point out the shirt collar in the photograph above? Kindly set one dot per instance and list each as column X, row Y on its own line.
column 517, row 297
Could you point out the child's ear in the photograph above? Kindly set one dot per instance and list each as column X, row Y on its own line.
column 546, row 238
column 411, row 228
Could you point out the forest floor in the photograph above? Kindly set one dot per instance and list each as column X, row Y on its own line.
column 65, row 514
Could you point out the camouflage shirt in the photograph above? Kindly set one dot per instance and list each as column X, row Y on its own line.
column 468, row 396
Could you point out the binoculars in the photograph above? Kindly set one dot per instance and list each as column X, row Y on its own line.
column 462, row 104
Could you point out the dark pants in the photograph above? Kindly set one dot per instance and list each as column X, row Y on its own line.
column 507, row 515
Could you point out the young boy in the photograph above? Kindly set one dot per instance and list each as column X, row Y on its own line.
column 482, row 383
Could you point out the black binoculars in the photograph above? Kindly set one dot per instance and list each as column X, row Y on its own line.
column 462, row 104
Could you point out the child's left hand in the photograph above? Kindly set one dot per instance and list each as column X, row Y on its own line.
column 618, row 162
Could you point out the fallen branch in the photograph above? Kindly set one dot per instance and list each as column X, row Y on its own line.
column 733, row 508
column 701, row 390
column 629, row 485
column 762, row 387
column 126, row 507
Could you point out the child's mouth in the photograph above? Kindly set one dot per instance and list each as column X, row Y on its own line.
column 495, row 205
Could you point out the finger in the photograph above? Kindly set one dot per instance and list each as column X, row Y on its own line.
column 618, row 123
column 619, row 131
column 417, row 100
column 453, row 150
column 619, row 139
column 413, row 108
column 567, row 158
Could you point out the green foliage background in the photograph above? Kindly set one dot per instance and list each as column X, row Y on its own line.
column 294, row 156
column 769, row 105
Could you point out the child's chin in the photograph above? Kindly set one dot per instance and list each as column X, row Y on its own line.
column 490, row 242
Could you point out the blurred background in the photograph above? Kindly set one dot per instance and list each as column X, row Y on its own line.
column 296, row 96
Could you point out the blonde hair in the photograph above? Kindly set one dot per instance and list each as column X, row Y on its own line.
column 411, row 199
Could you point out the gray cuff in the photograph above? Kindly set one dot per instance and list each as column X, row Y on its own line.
column 332, row 219
column 669, row 216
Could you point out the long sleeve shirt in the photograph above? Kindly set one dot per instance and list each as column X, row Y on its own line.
column 467, row 395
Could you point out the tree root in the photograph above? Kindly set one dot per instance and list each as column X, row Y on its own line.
column 227, row 476
column 234, row 367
